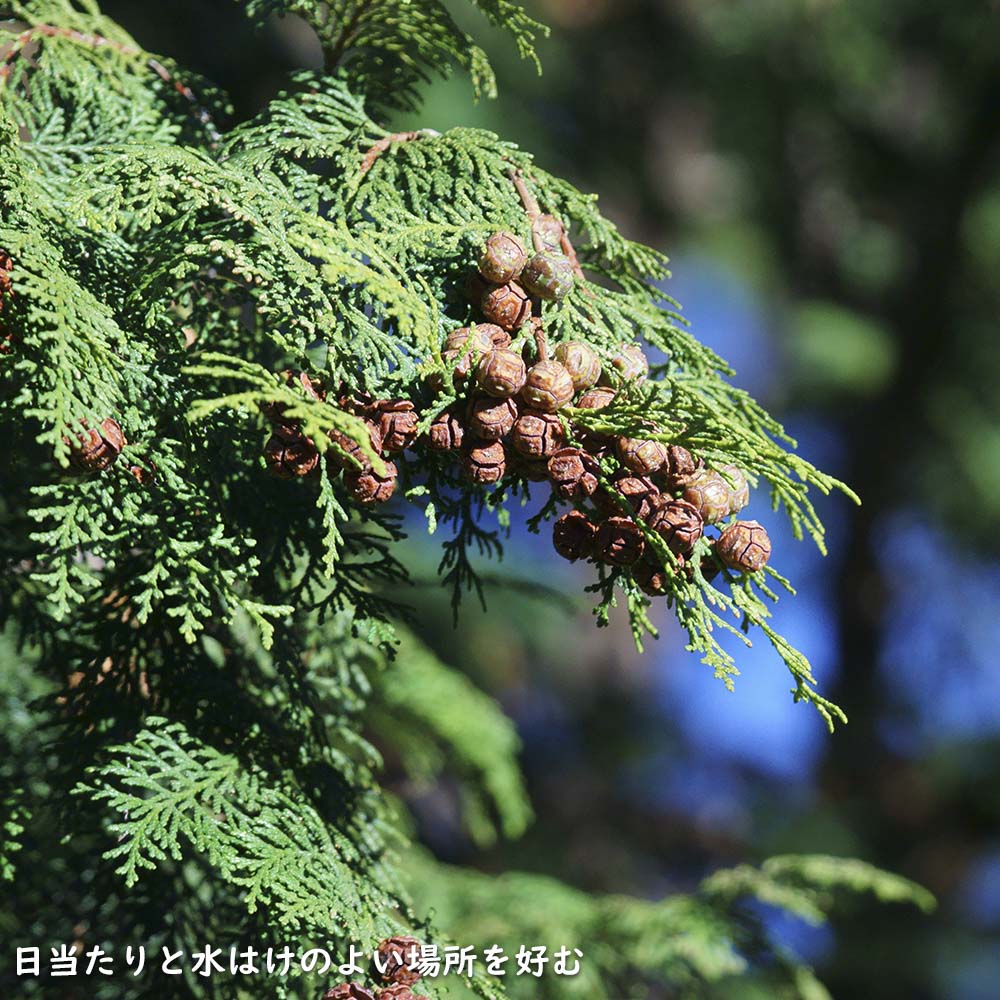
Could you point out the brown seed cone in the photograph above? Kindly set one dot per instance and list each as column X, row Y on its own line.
column 596, row 399
column 507, row 305
column 547, row 233
column 709, row 492
column 397, row 423
column 446, row 432
column 537, row 435
column 399, row 991
column 744, row 546
column 573, row 536
column 503, row 258
column 499, row 337
column 679, row 468
column 652, row 577
column 485, row 462
column 678, row 523
column 355, row 401
column 289, row 454
column 573, row 473
column 395, row 954
column 349, row 991
column 275, row 412
column 619, row 541
column 627, row 364
column 466, row 346
column 582, row 363
column 739, row 488
column 368, row 487
column 501, row 373
column 96, row 450
column 547, row 387
column 641, row 456
column 353, row 450
column 492, row 419
column 639, row 492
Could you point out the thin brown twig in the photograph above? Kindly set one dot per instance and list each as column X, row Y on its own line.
column 17, row 44
column 380, row 147
column 541, row 341
column 534, row 213
column 528, row 200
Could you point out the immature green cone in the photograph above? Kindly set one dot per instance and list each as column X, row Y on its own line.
column 537, row 435
column 96, row 450
column 501, row 373
column 619, row 541
column 581, row 361
column 547, row 387
column 549, row 276
column 709, row 493
column 503, row 258
column 507, row 306
column 491, row 418
column 573, row 536
column 744, row 546
column 289, row 454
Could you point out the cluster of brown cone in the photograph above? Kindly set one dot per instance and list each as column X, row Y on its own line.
column 395, row 958
column 391, row 426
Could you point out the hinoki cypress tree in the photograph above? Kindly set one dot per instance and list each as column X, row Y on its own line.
column 212, row 345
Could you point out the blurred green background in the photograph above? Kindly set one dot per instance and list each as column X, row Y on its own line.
column 824, row 175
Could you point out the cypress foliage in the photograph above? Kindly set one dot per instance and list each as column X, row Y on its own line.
column 196, row 655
